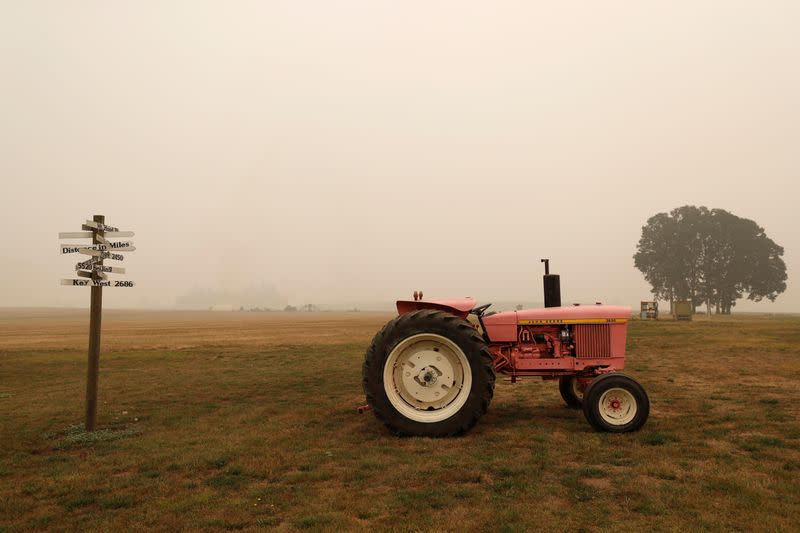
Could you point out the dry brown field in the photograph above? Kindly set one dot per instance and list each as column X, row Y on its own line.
column 247, row 421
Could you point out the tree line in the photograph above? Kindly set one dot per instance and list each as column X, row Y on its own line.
column 709, row 256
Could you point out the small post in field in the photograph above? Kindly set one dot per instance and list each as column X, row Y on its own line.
column 93, row 274
column 95, row 318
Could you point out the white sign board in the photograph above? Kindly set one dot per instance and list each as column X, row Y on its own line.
column 90, row 234
column 97, row 283
column 105, row 255
column 91, row 275
column 88, row 265
column 122, row 246
column 101, row 227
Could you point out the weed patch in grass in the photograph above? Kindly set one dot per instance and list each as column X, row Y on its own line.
column 410, row 498
column 666, row 476
column 370, row 464
column 716, row 432
column 314, row 521
column 620, row 458
column 225, row 525
column 759, row 442
column 510, row 522
column 644, row 505
column 792, row 432
column 76, row 436
column 577, row 489
column 268, row 522
column 463, row 494
column 29, row 489
column 233, row 478
column 591, row 472
column 658, row 438
column 584, row 493
column 39, row 523
column 723, row 485
column 83, row 499
column 774, row 415
column 118, row 501
column 152, row 474
column 791, row 466
column 220, row 461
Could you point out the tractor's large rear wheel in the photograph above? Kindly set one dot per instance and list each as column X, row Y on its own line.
column 428, row 373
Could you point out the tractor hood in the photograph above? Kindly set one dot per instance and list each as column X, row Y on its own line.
column 575, row 313
column 502, row 327
column 562, row 315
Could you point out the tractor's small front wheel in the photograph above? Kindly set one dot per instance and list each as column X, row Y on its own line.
column 570, row 389
column 616, row 403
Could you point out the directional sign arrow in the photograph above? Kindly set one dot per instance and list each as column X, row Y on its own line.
column 122, row 246
column 84, row 274
column 99, row 227
column 97, row 283
column 106, row 255
column 89, row 265
column 90, row 234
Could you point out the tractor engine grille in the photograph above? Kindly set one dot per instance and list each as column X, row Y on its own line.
column 593, row 340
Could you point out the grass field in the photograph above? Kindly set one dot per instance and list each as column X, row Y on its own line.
column 233, row 421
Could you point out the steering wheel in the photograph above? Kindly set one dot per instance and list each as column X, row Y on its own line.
column 478, row 311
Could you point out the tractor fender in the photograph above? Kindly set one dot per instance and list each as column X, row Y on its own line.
column 459, row 307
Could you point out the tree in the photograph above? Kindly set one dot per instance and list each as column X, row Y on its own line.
column 709, row 256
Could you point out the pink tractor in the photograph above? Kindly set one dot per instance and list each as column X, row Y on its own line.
column 431, row 371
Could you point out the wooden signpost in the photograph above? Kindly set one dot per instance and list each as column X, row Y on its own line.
column 93, row 273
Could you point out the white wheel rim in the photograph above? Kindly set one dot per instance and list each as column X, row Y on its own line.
column 617, row 406
column 427, row 378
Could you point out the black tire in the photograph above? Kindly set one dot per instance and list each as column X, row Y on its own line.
column 464, row 336
column 594, row 394
column 567, row 390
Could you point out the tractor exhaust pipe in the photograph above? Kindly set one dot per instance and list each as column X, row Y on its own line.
column 552, row 286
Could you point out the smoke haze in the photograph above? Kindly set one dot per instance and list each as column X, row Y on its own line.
column 351, row 152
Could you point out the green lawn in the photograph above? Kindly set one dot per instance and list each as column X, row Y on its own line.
column 214, row 423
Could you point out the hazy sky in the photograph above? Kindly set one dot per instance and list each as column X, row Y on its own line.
column 356, row 151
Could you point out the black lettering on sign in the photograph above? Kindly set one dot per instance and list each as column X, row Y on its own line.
column 86, row 265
